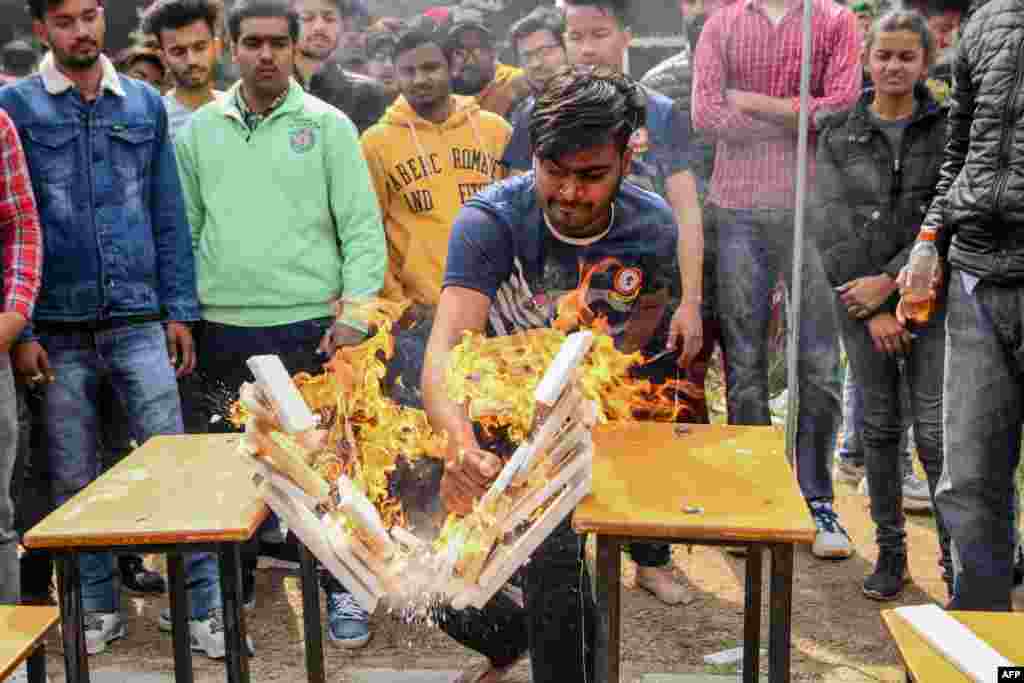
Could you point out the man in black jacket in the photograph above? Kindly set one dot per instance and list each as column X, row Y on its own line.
column 979, row 213
column 322, row 24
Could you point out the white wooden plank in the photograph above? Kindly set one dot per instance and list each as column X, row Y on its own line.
column 957, row 643
column 277, row 386
column 310, row 531
column 525, row 507
column 358, row 508
column 560, row 372
column 501, row 568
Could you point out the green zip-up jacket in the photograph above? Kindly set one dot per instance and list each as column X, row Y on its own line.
column 284, row 218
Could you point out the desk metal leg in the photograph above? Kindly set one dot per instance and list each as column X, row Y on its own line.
column 781, row 613
column 609, row 568
column 311, row 617
column 179, row 618
column 236, row 657
column 37, row 665
column 69, row 584
column 752, row 615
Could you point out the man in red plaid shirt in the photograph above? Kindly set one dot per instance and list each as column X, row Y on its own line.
column 746, row 97
column 22, row 256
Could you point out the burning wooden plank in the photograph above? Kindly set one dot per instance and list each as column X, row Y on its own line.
column 277, row 386
column 343, row 528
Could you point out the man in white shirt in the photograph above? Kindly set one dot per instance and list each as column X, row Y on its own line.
column 186, row 31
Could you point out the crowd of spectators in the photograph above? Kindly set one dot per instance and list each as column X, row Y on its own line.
column 229, row 184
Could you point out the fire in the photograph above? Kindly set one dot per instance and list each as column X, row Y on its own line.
column 494, row 377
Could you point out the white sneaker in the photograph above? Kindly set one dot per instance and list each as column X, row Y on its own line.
column 20, row 675
column 102, row 628
column 207, row 635
column 915, row 493
column 831, row 542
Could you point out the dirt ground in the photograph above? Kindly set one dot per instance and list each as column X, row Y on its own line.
column 837, row 633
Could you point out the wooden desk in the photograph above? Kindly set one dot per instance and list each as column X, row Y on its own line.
column 644, row 476
column 175, row 494
column 22, row 630
column 1001, row 630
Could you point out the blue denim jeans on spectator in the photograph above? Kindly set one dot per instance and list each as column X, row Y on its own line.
column 10, row 586
column 983, row 416
column 755, row 247
column 133, row 358
column 222, row 352
column 887, row 385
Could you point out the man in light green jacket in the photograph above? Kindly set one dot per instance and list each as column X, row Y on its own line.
column 285, row 225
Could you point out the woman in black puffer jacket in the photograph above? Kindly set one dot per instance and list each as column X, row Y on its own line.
column 878, row 165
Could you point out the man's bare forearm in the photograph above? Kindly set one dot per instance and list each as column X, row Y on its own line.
column 445, row 415
column 681, row 189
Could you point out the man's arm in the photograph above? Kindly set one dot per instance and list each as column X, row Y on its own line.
column 20, row 237
column 958, row 142
column 356, row 213
column 392, row 289
column 459, row 310
column 176, row 271
column 479, row 259
column 188, row 175
column 713, row 112
column 842, row 80
column 681, row 191
column 468, row 470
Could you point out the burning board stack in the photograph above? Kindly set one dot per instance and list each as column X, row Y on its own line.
column 324, row 481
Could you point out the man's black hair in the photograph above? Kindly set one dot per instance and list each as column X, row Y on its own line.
column 617, row 8
column 540, row 19
column 421, row 31
column 260, row 9
column 582, row 107
column 174, row 14
column 37, row 8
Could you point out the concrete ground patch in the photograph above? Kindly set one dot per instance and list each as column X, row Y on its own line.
column 410, row 676
column 688, row 678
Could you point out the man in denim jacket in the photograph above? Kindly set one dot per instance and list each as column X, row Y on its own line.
column 119, row 281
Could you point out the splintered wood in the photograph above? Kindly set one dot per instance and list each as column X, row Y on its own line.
column 474, row 556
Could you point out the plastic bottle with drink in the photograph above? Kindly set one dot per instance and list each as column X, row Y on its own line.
column 918, row 303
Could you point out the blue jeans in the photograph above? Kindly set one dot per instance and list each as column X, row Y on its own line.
column 755, row 247
column 133, row 359
column 10, row 585
column 983, row 415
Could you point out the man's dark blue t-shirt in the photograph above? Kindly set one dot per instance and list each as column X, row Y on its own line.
column 660, row 149
column 502, row 247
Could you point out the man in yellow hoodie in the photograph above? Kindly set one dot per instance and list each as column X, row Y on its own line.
column 430, row 153
column 472, row 58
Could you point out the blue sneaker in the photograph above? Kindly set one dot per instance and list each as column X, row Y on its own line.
column 348, row 624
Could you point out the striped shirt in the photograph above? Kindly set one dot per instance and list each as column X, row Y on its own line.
column 20, row 234
column 741, row 48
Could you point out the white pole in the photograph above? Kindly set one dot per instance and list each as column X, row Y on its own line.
column 796, row 281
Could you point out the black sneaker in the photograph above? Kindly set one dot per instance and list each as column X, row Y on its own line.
column 890, row 575
column 135, row 577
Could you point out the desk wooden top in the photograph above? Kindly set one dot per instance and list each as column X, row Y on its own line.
column 21, row 629
column 173, row 489
column 1001, row 630
column 644, row 476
